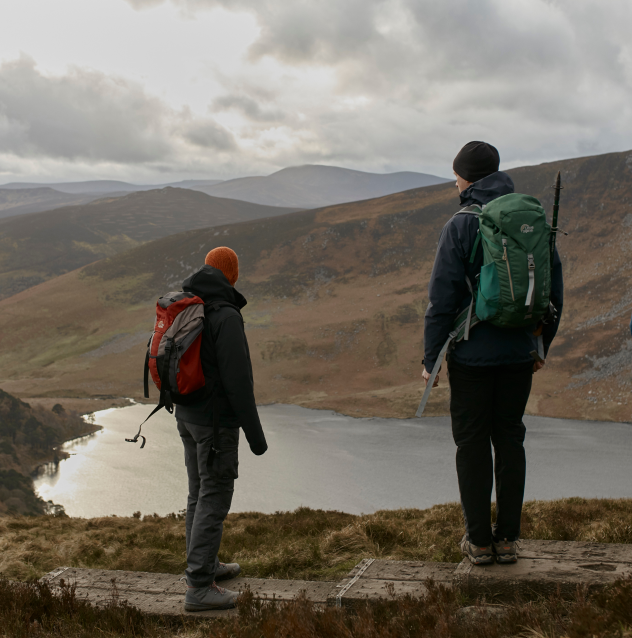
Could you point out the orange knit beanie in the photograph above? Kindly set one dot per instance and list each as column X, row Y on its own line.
column 224, row 259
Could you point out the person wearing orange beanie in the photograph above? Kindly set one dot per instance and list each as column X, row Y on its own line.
column 212, row 464
column 226, row 260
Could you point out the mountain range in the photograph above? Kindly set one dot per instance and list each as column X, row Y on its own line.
column 336, row 303
column 309, row 186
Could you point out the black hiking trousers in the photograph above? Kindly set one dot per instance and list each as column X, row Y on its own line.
column 487, row 404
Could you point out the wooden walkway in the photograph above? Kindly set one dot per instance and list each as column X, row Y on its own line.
column 543, row 568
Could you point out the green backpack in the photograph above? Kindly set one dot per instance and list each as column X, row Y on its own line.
column 515, row 282
column 514, row 285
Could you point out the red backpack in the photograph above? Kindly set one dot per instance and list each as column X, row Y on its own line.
column 173, row 353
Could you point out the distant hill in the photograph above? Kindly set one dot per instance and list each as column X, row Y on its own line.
column 33, row 200
column 314, row 186
column 38, row 246
column 336, row 303
column 104, row 186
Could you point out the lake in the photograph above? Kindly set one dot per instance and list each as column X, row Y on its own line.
column 326, row 460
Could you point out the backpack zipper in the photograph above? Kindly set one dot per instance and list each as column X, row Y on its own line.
column 506, row 258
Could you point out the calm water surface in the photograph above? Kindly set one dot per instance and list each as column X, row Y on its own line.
column 325, row 460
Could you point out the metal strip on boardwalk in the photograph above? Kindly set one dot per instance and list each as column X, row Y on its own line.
column 58, row 572
column 353, row 581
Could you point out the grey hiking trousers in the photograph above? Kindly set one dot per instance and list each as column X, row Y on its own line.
column 211, row 484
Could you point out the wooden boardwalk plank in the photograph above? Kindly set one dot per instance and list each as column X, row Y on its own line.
column 544, row 567
column 163, row 594
column 576, row 550
column 537, row 576
column 387, row 578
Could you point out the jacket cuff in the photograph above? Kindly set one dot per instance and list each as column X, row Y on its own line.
column 428, row 364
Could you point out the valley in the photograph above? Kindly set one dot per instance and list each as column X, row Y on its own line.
column 336, row 303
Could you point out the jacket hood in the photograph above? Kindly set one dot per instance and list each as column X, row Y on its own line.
column 210, row 284
column 487, row 189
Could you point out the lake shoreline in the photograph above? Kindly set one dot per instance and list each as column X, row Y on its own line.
column 85, row 406
column 325, row 460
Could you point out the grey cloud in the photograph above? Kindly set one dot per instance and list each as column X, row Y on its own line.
column 413, row 47
column 139, row 5
column 539, row 78
column 84, row 114
column 208, row 134
column 87, row 115
column 249, row 107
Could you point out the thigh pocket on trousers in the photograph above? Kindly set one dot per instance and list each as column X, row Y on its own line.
column 226, row 460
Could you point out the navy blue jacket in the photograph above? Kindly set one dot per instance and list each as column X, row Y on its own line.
column 449, row 295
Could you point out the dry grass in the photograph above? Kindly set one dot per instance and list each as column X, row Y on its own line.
column 304, row 544
column 31, row 610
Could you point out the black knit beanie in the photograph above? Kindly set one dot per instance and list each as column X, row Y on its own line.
column 476, row 160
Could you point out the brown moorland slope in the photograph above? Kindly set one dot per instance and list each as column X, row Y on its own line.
column 39, row 246
column 337, row 298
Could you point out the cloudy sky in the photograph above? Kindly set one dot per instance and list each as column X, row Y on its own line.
column 158, row 90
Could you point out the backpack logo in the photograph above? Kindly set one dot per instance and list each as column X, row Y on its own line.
column 161, row 324
column 525, row 228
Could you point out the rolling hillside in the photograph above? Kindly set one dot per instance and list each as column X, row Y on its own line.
column 314, row 186
column 36, row 247
column 34, row 200
column 337, row 298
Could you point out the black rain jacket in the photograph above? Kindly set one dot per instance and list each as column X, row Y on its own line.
column 225, row 328
column 448, row 292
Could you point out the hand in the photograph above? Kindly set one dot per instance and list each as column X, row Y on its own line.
column 426, row 376
column 538, row 365
column 259, row 449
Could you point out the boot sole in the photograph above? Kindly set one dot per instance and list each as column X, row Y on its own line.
column 481, row 560
column 194, row 607
column 506, row 560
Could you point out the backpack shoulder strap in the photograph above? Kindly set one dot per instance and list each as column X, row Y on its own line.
column 474, row 209
column 216, row 305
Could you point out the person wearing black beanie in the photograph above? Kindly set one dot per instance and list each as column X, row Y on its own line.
column 490, row 374
column 475, row 161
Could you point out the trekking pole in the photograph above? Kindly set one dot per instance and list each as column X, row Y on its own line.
column 556, row 209
column 538, row 354
column 433, row 375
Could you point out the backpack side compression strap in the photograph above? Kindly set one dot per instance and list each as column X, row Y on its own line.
column 165, row 394
column 146, row 376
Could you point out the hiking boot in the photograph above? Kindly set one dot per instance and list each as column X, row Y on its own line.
column 477, row 555
column 207, row 598
column 506, row 551
column 226, row 571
